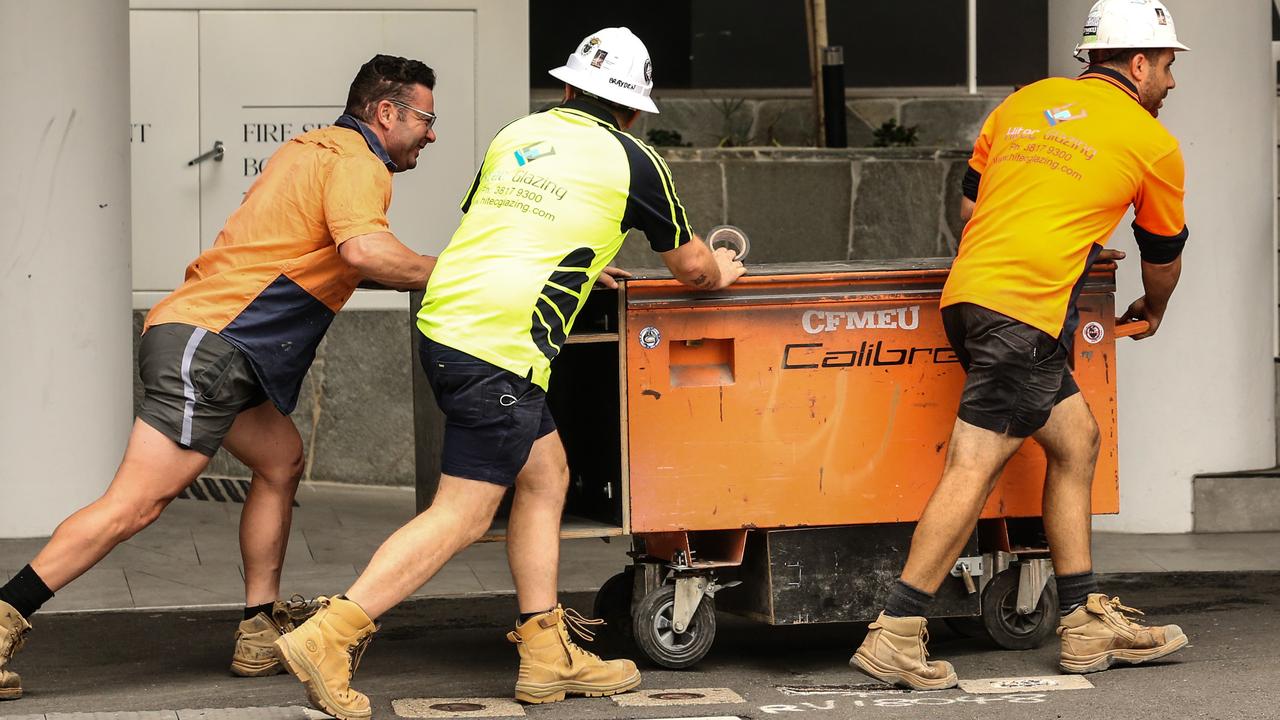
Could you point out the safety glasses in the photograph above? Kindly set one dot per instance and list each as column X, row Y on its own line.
column 428, row 118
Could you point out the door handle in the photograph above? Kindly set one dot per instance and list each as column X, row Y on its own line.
column 215, row 154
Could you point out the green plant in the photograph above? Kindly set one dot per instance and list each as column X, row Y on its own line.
column 891, row 134
column 666, row 138
column 728, row 109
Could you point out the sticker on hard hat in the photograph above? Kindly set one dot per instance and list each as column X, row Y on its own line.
column 598, row 60
column 586, row 47
column 1091, row 24
column 1161, row 17
column 648, row 71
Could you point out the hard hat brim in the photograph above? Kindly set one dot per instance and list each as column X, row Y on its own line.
column 1080, row 49
column 591, row 84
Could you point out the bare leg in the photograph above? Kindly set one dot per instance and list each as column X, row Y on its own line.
column 459, row 516
column 268, row 442
column 975, row 458
column 154, row 470
column 1070, row 440
column 533, row 535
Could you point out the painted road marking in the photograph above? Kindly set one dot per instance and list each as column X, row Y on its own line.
column 843, row 706
column 705, row 718
column 675, row 697
column 859, row 690
column 457, row 707
column 1002, row 686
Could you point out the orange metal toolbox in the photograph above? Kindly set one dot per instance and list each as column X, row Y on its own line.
column 769, row 447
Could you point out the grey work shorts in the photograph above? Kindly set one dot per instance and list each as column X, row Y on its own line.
column 195, row 383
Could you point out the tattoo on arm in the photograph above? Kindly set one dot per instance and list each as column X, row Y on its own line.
column 702, row 281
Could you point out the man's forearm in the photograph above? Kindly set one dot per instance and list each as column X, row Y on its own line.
column 1158, row 282
column 707, row 276
column 385, row 260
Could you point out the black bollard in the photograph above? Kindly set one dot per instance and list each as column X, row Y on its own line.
column 833, row 96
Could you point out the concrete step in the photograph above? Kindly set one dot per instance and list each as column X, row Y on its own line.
column 1246, row 501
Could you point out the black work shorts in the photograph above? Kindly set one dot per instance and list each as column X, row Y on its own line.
column 194, row 385
column 1017, row 373
column 492, row 415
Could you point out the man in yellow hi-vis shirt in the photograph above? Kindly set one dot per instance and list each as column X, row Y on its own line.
column 1056, row 167
column 550, row 206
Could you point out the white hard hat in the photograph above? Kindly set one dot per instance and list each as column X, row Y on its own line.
column 1128, row 24
column 612, row 64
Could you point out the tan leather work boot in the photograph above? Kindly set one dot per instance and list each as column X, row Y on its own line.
column 255, row 654
column 551, row 664
column 13, row 633
column 894, row 652
column 1097, row 635
column 324, row 653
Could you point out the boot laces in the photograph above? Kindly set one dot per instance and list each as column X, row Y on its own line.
column 1116, row 608
column 581, row 626
column 357, row 651
column 289, row 614
column 18, row 638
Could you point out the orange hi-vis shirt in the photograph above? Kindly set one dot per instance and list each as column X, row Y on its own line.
column 273, row 280
column 1055, row 168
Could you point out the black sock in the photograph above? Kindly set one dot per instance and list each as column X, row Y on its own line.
column 526, row 617
column 1074, row 590
column 906, row 601
column 253, row 611
column 26, row 592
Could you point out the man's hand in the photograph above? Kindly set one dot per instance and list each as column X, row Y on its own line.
column 1110, row 255
column 606, row 279
column 730, row 268
column 1139, row 311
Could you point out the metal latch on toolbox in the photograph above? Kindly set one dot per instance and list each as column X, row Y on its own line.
column 967, row 568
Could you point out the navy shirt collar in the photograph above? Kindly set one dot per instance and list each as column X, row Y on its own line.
column 1116, row 78
column 592, row 108
column 351, row 122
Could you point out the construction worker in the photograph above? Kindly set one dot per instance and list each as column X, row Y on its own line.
column 554, row 198
column 223, row 356
column 1055, row 168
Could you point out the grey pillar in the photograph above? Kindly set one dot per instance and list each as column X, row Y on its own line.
column 65, row 365
column 1199, row 395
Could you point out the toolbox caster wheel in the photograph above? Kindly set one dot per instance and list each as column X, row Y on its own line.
column 613, row 605
column 658, row 640
column 1007, row 627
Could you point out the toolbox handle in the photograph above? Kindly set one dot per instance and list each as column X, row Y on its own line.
column 1137, row 327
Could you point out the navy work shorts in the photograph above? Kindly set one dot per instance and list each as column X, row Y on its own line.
column 492, row 415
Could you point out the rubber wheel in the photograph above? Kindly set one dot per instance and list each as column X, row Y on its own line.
column 658, row 640
column 613, row 605
column 1007, row 627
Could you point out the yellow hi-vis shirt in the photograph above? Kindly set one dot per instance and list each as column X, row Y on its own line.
column 550, row 207
column 1055, row 168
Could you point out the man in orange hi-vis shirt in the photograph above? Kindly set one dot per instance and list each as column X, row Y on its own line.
column 1056, row 167
column 223, row 357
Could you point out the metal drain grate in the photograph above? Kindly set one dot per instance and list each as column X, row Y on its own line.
column 219, row 489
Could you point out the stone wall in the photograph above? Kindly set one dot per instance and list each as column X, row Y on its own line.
column 946, row 121
column 801, row 205
column 356, row 415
